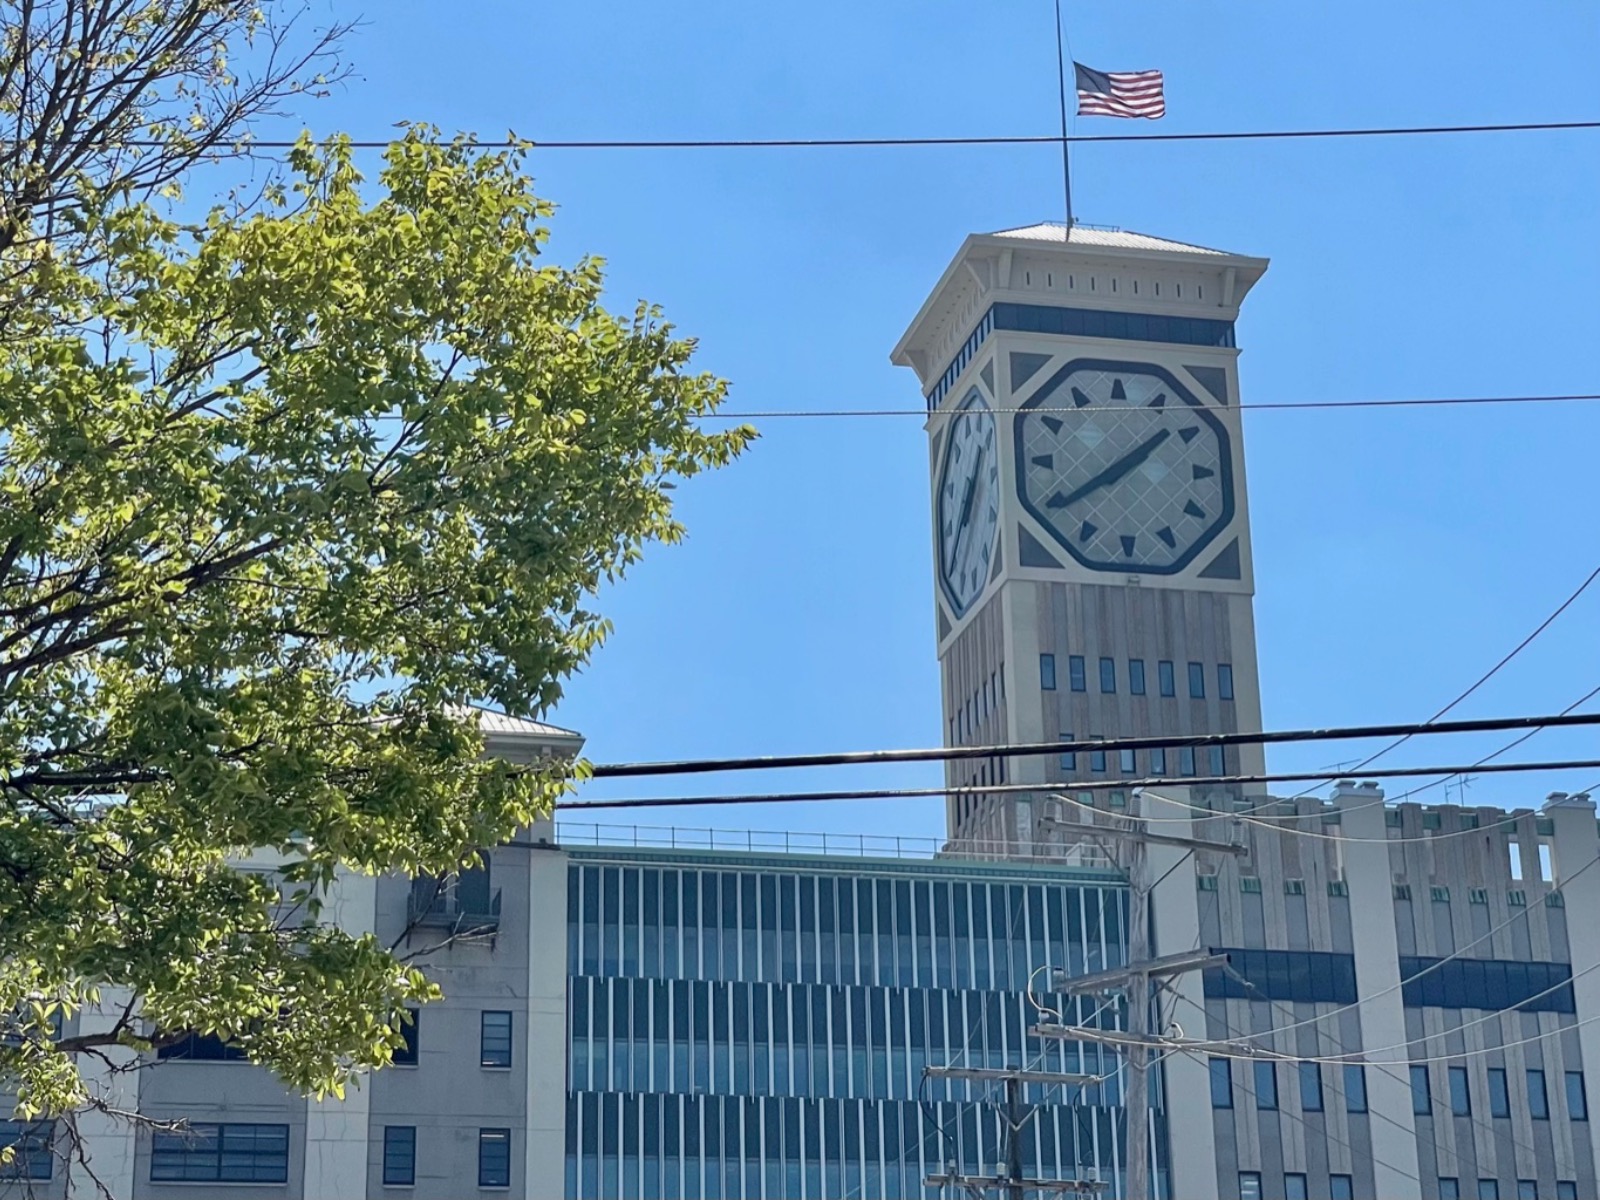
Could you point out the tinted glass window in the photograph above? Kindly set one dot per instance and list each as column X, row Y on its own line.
column 410, row 1032
column 1355, row 1088
column 1577, row 1097
column 1136, row 676
column 1221, row 1083
column 1298, row 976
column 1294, row 1187
column 1075, row 670
column 1197, row 681
column 1165, row 680
column 1225, row 681
column 1310, row 1087
column 1489, row 984
column 399, row 1155
column 1108, row 675
column 1538, row 1100
column 29, row 1142
column 1341, row 1187
column 1421, row 1093
column 1266, row 1083
column 1460, row 1094
column 494, row 1158
column 1449, row 1189
column 1249, row 1185
column 1047, row 672
column 1069, row 759
column 1499, row 1094
column 495, row 1039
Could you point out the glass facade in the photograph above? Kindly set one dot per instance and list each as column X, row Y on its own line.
column 761, row 1030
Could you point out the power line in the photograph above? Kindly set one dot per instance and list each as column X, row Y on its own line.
column 1260, row 406
column 851, row 758
column 1088, row 785
column 1487, row 675
column 1050, row 139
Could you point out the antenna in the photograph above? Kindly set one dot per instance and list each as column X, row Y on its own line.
column 1066, row 146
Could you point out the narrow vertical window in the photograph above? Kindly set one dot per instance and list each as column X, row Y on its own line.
column 1186, row 760
column 1077, row 678
column 1266, row 1081
column 1460, row 1093
column 1224, row 681
column 1165, row 680
column 1488, row 1189
column 410, row 1033
column 1097, row 758
column 494, row 1158
column 1158, row 761
column 1136, row 676
column 1341, row 1187
column 1294, row 1187
column 1197, row 681
column 1514, row 849
column 1577, row 1097
column 1538, row 1100
column 1449, row 1188
column 1249, row 1185
column 1047, row 672
column 1218, row 760
column 399, row 1155
column 1069, row 758
column 1499, row 1093
column 494, row 1039
column 1421, row 1093
column 1108, row 675
column 1221, row 1083
column 1310, row 1087
column 1355, row 1088
column 1126, row 762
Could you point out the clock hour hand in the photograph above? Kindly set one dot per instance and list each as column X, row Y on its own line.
column 967, row 497
column 1116, row 471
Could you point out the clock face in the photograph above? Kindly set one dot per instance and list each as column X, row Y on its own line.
column 969, row 502
column 1124, row 467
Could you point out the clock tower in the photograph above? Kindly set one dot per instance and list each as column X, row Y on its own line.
column 1091, row 535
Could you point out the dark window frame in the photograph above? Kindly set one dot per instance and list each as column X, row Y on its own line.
column 1224, row 681
column 32, row 1160
column 1538, row 1086
column 496, row 1040
column 1421, row 1091
column 1576, row 1111
column 1108, row 676
column 492, row 1173
column 411, row 1035
column 1460, row 1087
column 1264, row 1078
column 1311, row 1097
column 1220, row 1071
column 399, row 1155
column 1166, row 678
column 1136, row 684
column 1197, row 681
column 185, row 1157
column 1047, row 672
column 1499, row 1092
column 1077, row 673
column 1355, row 1096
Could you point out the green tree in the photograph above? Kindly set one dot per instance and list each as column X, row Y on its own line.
column 280, row 489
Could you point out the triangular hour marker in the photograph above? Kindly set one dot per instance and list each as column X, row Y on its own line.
column 1088, row 531
column 1194, row 510
column 1078, row 398
column 1165, row 534
column 1047, row 461
column 1203, row 472
column 1117, row 391
column 1160, row 401
column 1128, row 542
column 1189, row 433
column 1053, row 424
column 1056, row 501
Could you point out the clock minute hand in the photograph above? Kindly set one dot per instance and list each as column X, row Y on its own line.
column 1123, row 466
column 967, row 498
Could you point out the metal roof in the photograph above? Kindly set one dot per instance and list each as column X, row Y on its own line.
column 491, row 722
column 1110, row 239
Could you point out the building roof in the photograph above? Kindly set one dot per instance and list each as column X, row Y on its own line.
column 490, row 721
column 1102, row 237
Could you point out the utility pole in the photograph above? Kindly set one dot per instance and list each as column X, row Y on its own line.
column 1134, row 979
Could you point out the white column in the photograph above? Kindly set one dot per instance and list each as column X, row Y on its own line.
column 1191, row 1137
column 1577, row 844
column 337, row 1130
column 1383, row 1022
column 547, row 1022
column 107, row 1141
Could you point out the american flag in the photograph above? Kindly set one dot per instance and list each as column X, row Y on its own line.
column 1119, row 93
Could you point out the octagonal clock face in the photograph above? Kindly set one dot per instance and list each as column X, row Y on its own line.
column 968, row 502
column 1124, row 467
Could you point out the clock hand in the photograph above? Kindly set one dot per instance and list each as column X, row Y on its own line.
column 1116, row 471
column 967, row 498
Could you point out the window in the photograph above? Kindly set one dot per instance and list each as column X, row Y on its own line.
column 1527, row 1189
column 494, row 1158
column 31, row 1158
column 1136, row 676
column 1218, row 761
column 1514, row 852
column 1298, row 976
column 202, row 1047
column 1421, row 1095
column 1125, row 762
column 1486, row 983
column 1186, row 760
column 212, row 1153
column 1294, row 1187
column 1197, row 681
column 1224, row 681
column 1221, row 1083
column 406, row 1055
column 1164, row 678
column 1047, row 672
column 1158, row 761
column 399, row 1155
column 1538, row 1101
column 1488, row 1189
column 1460, row 1093
column 1266, row 1079
column 1097, row 758
column 1341, row 1187
column 494, row 1040
column 1566, row 1190
column 1355, row 1088
column 1108, row 675
column 1069, row 758
column 1249, row 1185
column 1449, row 1188
column 1499, row 1094
column 1310, row 1087
column 1577, row 1097
column 1075, row 674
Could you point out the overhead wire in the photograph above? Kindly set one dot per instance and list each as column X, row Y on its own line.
column 1020, row 788
column 848, row 758
column 824, row 143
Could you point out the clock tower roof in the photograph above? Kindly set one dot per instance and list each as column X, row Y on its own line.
column 1035, row 264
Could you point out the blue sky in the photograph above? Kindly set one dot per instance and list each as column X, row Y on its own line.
column 1399, row 552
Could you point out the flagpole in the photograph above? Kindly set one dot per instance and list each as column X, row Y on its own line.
column 1066, row 146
